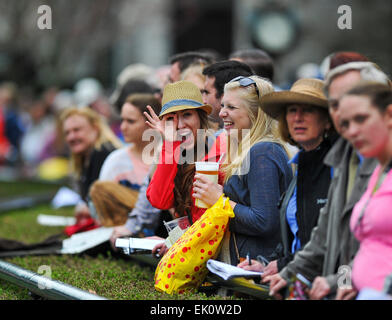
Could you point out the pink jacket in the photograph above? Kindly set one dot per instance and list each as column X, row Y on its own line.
column 373, row 262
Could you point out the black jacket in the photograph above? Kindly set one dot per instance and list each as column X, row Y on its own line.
column 312, row 181
column 90, row 173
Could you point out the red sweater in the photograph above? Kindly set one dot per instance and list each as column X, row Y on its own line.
column 160, row 191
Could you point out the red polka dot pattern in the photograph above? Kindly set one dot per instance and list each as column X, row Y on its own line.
column 183, row 267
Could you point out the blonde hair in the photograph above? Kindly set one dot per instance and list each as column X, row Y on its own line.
column 263, row 127
column 105, row 134
column 194, row 69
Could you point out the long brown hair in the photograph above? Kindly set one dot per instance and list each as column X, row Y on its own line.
column 183, row 180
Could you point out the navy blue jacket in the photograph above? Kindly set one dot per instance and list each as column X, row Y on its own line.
column 256, row 227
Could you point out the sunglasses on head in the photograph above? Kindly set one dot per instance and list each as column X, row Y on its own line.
column 245, row 82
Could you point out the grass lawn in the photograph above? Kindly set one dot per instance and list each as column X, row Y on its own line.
column 105, row 275
column 11, row 189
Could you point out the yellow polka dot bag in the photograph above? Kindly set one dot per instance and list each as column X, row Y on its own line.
column 183, row 267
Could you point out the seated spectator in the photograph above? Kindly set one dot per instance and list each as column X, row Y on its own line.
column 255, row 177
column 124, row 170
column 90, row 141
column 304, row 121
column 365, row 121
column 183, row 114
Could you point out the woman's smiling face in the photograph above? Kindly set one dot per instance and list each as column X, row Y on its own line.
column 233, row 112
column 188, row 122
column 79, row 134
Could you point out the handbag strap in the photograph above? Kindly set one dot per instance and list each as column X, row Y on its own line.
column 235, row 247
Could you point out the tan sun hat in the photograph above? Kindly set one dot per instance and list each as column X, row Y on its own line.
column 182, row 95
column 303, row 91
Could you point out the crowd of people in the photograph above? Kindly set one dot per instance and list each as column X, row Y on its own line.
column 306, row 170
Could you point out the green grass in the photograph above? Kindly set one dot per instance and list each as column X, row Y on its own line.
column 105, row 275
column 11, row 189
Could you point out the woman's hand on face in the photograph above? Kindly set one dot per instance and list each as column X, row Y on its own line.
column 206, row 190
column 167, row 127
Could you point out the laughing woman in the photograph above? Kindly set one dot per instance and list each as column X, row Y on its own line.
column 255, row 176
column 366, row 122
column 183, row 114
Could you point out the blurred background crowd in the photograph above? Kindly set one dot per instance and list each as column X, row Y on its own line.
column 97, row 50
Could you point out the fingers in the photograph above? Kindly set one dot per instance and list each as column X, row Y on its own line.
column 350, row 295
column 153, row 114
column 254, row 266
column 113, row 243
column 320, row 288
column 155, row 238
column 200, row 186
column 242, row 264
column 160, row 249
column 203, row 182
column 346, row 294
column 266, row 277
column 267, row 274
column 151, row 118
column 201, row 178
column 276, row 284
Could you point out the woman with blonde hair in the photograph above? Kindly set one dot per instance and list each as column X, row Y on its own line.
column 90, row 141
column 256, row 174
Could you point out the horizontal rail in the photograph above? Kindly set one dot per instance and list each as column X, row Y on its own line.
column 43, row 286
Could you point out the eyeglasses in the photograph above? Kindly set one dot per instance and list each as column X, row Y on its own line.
column 245, row 82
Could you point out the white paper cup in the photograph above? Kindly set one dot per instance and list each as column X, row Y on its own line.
column 210, row 171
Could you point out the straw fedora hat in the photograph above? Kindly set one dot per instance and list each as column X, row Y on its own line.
column 182, row 95
column 303, row 91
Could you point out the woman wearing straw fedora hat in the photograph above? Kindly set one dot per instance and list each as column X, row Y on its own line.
column 182, row 118
column 304, row 121
column 256, row 172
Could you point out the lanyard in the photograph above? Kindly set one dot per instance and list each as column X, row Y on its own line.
column 377, row 186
